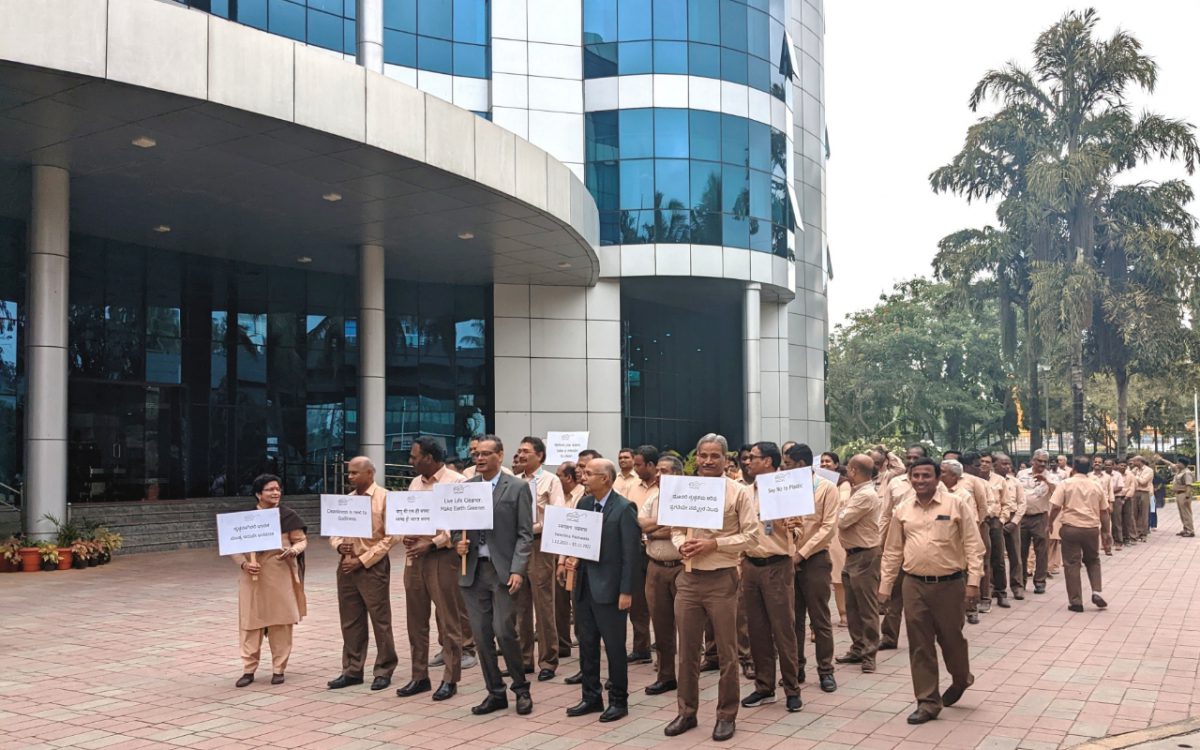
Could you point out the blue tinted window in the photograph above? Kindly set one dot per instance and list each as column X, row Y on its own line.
column 325, row 30
column 671, row 57
column 603, row 180
column 735, row 231
column 734, row 139
column 436, row 55
column 599, row 21
column 400, row 15
column 327, row 6
column 470, row 60
column 637, row 134
column 733, row 66
column 705, row 133
column 636, row 58
column 704, row 21
column 600, row 60
column 637, row 183
column 349, row 36
column 706, row 185
column 733, row 25
column 603, row 143
column 671, row 133
column 633, row 20
column 760, row 194
column 779, row 202
column 704, row 60
column 637, row 227
column 735, row 190
column 470, row 21
column 434, row 18
column 758, row 41
column 760, row 146
column 610, row 227
column 286, row 19
column 759, row 74
column 672, row 181
column 706, row 227
column 779, row 149
column 252, row 13
column 760, row 235
column 670, row 19
column 399, row 48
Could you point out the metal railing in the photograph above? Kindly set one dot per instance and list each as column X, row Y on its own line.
column 333, row 475
column 11, row 493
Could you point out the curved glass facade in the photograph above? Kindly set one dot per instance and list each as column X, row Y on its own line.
column 741, row 41
column 688, row 176
column 442, row 36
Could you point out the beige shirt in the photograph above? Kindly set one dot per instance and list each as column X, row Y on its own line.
column 981, row 493
column 640, row 493
column 444, row 475
column 1144, row 479
column 937, row 538
column 858, row 518
column 778, row 542
column 893, row 467
column 1016, row 496
column 624, row 483
column 892, row 492
column 547, row 490
column 1082, row 502
column 736, row 534
column 371, row 551
column 1037, row 494
column 575, row 496
column 1182, row 482
column 277, row 597
column 816, row 531
column 963, row 491
column 663, row 550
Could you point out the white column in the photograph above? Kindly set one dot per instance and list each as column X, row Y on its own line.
column 752, row 362
column 369, row 31
column 372, row 367
column 46, row 367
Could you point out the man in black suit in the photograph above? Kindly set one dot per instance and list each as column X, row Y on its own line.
column 604, row 593
column 496, row 563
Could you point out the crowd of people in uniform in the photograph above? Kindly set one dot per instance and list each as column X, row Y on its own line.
column 935, row 542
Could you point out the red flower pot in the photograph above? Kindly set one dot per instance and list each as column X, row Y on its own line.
column 64, row 558
column 31, row 559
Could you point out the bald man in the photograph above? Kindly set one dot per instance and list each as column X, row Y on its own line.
column 858, row 533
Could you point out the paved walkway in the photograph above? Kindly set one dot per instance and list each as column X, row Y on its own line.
column 143, row 653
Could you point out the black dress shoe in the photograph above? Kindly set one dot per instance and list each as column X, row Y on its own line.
column 639, row 657
column 679, row 725
column 343, row 681
column 1039, row 588
column 919, row 717
column 613, row 712
column 887, row 645
column 583, row 708
column 490, row 703
column 545, row 674
column 414, row 687
column 381, row 683
column 1018, row 594
column 445, row 691
column 973, row 618
column 710, row 666
column 848, row 659
column 574, row 679
column 954, row 692
column 828, row 684
column 524, row 704
column 1002, row 601
column 244, row 680
column 505, row 673
column 1099, row 601
column 1075, row 607
column 277, row 679
column 658, row 688
column 723, row 730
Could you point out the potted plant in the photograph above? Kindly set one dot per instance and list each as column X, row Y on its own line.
column 31, row 557
column 10, row 555
column 67, row 532
column 109, row 541
column 48, row 552
column 80, row 552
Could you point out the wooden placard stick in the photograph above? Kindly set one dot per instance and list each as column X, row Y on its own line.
column 570, row 584
column 463, row 569
column 254, row 561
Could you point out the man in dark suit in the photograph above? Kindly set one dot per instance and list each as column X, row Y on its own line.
column 496, row 563
column 604, row 593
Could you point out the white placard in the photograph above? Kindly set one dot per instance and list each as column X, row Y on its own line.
column 567, row 531
column 692, row 502
column 465, row 506
column 411, row 514
column 785, row 494
column 249, row 531
column 562, row 447
column 346, row 515
column 832, row 476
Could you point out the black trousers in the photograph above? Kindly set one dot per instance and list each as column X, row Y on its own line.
column 997, row 551
column 596, row 622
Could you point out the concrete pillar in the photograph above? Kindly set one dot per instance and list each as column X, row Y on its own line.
column 369, row 29
column 752, row 362
column 46, row 366
column 372, row 363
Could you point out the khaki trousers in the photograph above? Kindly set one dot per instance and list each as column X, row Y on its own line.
column 743, row 626
column 889, row 631
column 1080, row 545
column 280, row 638
column 562, row 618
column 1118, row 528
column 661, row 585
column 639, row 614
column 536, row 617
column 363, row 596
column 813, row 578
column 769, row 592
column 1184, row 501
column 701, row 595
column 1129, row 519
column 1035, row 531
column 1143, row 500
column 431, row 583
column 985, row 583
column 934, row 615
column 860, row 580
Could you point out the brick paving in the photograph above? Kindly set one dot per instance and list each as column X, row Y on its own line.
column 143, row 653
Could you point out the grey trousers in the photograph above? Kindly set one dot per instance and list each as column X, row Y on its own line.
column 493, row 615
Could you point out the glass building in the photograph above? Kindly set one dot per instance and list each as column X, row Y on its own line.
column 249, row 235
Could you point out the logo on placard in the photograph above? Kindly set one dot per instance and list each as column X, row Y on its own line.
column 574, row 516
column 780, row 479
column 694, row 485
column 457, row 489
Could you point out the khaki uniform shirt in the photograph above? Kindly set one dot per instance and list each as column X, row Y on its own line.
column 981, row 493
column 640, row 494
column 736, row 534
column 547, row 490
column 858, row 518
column 892, row 492
column 663, row 550
column 624, row 483
column 1128, row 484
column 779, row 541
column 816, row 532
column 1082, row 501
column 1016, row 495
column 1144, row 478
column 937, row 538
column 444, row 475
column 1182, row 482
column 1037, row 494
column 574, row 497
column 371, row 551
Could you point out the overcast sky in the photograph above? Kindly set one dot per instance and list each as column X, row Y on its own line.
column 897, row 79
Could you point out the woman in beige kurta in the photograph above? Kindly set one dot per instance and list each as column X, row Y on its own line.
column 837, row 553
column 274, row 602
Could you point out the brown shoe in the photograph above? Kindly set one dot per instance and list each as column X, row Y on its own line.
column 723, row 730
column 244, row 680
column 277, row 679
column 679, row 725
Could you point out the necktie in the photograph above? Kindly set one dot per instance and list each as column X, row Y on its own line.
column 769, row 527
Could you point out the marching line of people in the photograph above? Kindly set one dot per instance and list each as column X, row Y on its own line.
column 932, row 542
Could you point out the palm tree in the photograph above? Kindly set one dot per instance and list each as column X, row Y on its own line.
column 1076, row 92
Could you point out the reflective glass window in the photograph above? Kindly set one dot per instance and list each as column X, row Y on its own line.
column 286, row 19
column 733, row 25
column 470, row 21
column 637, row 183
column 735, row 190
column 636, row 58
column 600, row 60
column 399, row 48
column 758, row 34
column 435, row 18
column 705, row 132
column 735, row 231
column 760, row 145
column 252, row 13
column 704, row 21
column 435, row 55
column 327, row 6
column 637, row 133
column 704, row 60
column 349, row 36
column 603, row 181
column 599, row 21
column 324, row 30
column 760, row 194
column 672, row 183
column 735, row 139
column 470, row 60
column 760, row 235
column 671, row 133
column 734, row 66
column 758, row 74
column 706, row 185
column 602, row 142
column 671, row 58
column 670, row 19
column 400, row 15
column 633, row 20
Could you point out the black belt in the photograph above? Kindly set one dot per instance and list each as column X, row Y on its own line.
column 667, row 563
column 856, row 550
column 936, row 579
column 762, row 562
column 1034, row 515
